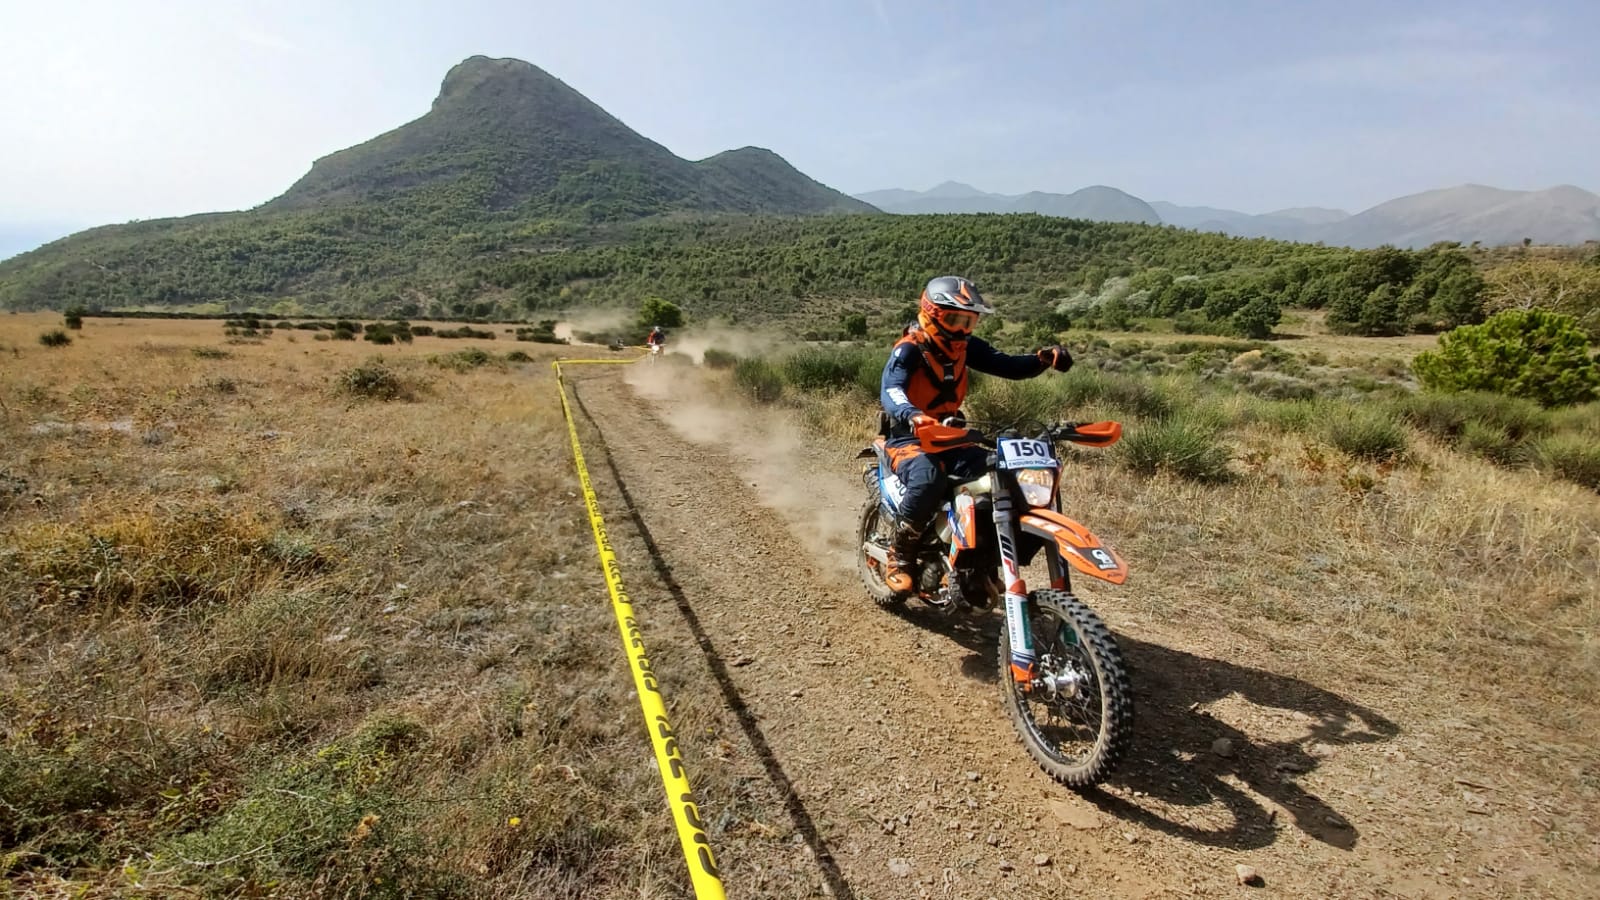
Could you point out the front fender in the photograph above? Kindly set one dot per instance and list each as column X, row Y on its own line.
column 1077, row 544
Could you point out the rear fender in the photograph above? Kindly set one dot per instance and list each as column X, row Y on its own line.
column 1076, row 544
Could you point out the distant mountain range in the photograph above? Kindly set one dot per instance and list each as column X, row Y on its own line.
column 1558, row 215
column 1097, row 203
column 505, row 146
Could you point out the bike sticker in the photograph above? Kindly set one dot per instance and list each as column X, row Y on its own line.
column 1019, row 453
column 1103, row 559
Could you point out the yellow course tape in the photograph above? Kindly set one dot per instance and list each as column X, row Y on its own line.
column 674, row 778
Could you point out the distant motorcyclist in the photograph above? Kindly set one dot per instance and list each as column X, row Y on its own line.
column 925, row 383
column 657, row 340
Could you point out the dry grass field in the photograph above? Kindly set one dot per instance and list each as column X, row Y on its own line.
column 294, row 617
column 306, row 617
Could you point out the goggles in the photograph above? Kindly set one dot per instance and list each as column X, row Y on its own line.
column 956, row 321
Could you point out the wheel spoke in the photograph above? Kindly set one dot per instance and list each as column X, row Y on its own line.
column 1069, row 725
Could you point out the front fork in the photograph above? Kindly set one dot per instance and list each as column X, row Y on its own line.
column 1016, row 591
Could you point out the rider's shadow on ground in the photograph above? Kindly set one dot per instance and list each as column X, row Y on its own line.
column 1174, row 765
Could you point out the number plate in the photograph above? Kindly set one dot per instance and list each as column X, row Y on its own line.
column 1025, row 454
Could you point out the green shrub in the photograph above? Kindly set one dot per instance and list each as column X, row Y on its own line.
column 373, row 381
column 1138, row 396
column 388, row 332
column 330, row 822
column 55, row 338
column 1448, row 415
column 1366, row 433
column 831, row 368
column 1573, row 457
column 463, row 360
column 518, row 356
column 1583, row 419
column 464, row 332
column 1178, row 446
column 422, row 330
column 73, row 318
column 1001, row 402
column 1275, row 386
column 758, row 379
column 1530, row 353
column 719, row 359
column 210, row 352
column 1492, row 442
column 1296, row 416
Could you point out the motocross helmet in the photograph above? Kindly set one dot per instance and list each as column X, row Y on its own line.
column 949, row 309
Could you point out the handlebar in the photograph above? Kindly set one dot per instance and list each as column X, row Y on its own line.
column 947, row 437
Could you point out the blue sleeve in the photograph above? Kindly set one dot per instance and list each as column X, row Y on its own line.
column 903, row 360
column 982, row 357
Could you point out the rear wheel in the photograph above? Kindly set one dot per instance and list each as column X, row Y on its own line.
column 1076, row 716
column 875, row 529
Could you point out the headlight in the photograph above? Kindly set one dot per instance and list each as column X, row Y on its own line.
column 1038, row 486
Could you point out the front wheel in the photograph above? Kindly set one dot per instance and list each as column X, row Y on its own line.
column 1076, row 715
column 875, row 529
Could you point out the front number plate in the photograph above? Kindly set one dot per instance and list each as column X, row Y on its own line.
column 1016, row 453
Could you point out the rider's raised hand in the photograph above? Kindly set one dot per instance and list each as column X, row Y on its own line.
column 921, row 421
column 1056, row 358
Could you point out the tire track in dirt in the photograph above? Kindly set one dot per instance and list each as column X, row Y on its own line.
column 885, row 736
column 895, row 748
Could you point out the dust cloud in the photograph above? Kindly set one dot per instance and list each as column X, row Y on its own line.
column 599, row 320
column 694, row 342
column 814, row 490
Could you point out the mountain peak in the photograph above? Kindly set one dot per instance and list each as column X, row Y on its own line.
column 496, row 76
column 504, row 135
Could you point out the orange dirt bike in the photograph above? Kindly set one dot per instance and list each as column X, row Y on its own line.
column 1065, row 684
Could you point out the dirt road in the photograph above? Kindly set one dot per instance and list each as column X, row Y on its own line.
column 877, row 761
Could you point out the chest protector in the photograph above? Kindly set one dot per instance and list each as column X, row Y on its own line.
column 939, row 386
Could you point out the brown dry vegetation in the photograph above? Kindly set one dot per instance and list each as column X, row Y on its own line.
column 267, row 635
column 273, row 637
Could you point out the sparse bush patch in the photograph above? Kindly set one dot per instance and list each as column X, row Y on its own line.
column 1446, row 416
column 1368, row 434
column 465, row 331
column 759, row 380
column 1177, row 446
column 1573, row 457
column 999, row 401
column 373, row 381
column 1137, row 396
column 719, row 359
column 332, row 819
column 831, row 368
column 55, row 338
column 210, row 352
column 196, row 555
column 463, row 360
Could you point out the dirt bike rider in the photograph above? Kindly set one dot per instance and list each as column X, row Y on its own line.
column 925, row 383
column 657, row 339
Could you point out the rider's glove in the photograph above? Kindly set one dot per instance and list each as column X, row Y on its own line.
column 1055, row 358
column 920, row 421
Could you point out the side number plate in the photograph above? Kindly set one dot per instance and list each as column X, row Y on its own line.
column 1017, row 453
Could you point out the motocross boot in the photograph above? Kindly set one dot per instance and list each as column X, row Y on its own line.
column 901, row 575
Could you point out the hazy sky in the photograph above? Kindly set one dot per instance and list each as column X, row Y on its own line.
column 119, row 109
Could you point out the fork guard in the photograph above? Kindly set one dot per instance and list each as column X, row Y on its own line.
column 1076, row 544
